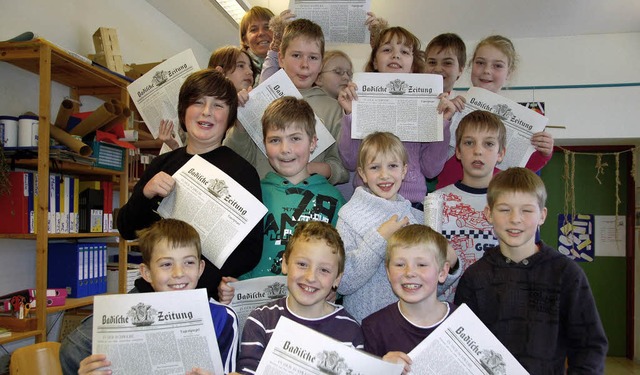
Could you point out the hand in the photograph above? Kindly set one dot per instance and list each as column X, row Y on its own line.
column 277, row 25
column 346, row 96
column 459, row 101
column 446, row 107
column 375, row 26
column 92, row 365
column 166, row 134
column 160, row 185
column 225, row 291
column 199, row 371
column 400, row 358
column 243, row 96
column 543, row 142
column 390, row 226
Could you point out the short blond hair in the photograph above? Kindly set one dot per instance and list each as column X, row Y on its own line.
column 516, row 180
column 482, row 121
column 177, row 233
column 418, row 235
column 302, row 28
column 317, row 230
column 381, row 143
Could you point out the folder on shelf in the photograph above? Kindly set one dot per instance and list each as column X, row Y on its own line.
column 14, row 210
column 70, row 267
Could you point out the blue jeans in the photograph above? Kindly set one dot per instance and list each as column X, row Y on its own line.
column 76, row 346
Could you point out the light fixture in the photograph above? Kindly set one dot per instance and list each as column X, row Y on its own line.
column 234, row 10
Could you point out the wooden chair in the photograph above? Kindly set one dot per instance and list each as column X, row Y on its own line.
column 37, row 359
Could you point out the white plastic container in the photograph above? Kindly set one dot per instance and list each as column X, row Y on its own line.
column 9, row 131
column 27, row 131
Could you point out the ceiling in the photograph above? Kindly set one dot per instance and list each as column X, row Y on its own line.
column 471, row 19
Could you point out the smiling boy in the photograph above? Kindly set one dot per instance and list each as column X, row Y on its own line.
column 314, row 263
column 536, row 301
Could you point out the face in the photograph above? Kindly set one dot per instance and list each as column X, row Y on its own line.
column 414, row 273
column 393, row 57
column 259, row 37
column 312, row 270
column 384, row 175
column 445, row 63
column 490, row 69
column 335, row 75
column 288, row 152
column 479, row 153
column 515, row 218
column 302, row 62
column 242, row 76
column 176, row 268
column 206, row 123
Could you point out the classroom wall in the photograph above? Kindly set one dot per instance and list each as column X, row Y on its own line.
column 591, row 115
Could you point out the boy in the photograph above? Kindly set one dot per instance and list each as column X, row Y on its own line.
column 480, row 145
column 300, row 56
column 536, row 301
column 313, row 262
column 290, row 193
column 416, row 263
column 171, row 260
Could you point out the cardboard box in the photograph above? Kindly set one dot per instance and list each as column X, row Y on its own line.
column 18, row 325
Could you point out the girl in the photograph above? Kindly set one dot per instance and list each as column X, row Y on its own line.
column 493, row 62
column 396, row 50
column 336, row 73
column 368, row 220
column 235, row 63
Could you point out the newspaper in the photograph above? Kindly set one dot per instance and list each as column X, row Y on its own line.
column 156, row 333
column 155, row 94
column 462, row 344
column 342, row 21
column 276, row 86
column 296, row 349
column 257, row 292
column 220, row 209
column 520, row 121
column 405, row 104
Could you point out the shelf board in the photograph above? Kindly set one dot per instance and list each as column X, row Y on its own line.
column 32, row 236
column 72, row 303
column 68, row 167
column 15, row 336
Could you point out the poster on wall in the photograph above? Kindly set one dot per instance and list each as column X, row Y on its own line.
column 610, row 235
column 536, row 106
column 576, row 237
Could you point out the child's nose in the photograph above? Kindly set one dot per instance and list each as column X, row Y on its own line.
column 177, row 271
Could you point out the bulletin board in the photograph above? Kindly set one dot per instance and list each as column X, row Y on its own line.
column 607, row 274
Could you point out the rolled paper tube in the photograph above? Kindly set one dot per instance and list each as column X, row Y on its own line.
column 130, row 136
column 65, row 111
column 126, row 112
column 69, row 141
column 103, row 114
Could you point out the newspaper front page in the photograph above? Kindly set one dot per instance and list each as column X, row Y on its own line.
column 156, row 333
column 276, row 86
column 155, row 94
column 461, row 345
column 220, row 209
column 254, row 293
column 520, row 121
column 296, row 349
column 405, row 104
column 342, row 21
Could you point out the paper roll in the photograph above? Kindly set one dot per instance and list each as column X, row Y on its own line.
column 69, row 141
column 102, row 115
column 123, row 116
column 65, row 111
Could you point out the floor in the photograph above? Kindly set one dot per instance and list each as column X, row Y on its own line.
column 620, row 365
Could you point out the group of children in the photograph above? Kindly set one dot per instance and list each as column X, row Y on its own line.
column 397, row 277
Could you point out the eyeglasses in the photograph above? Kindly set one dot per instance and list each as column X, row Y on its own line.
column 340, row 72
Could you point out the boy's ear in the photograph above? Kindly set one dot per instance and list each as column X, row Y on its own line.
column 458, row 153
column 487, row 214
column 336, row 282
column 314, row 144
column 543, row 215
column 444, row 272
column 201, row 268
column 284, row 266
column 145, row 272
column 501, row 154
